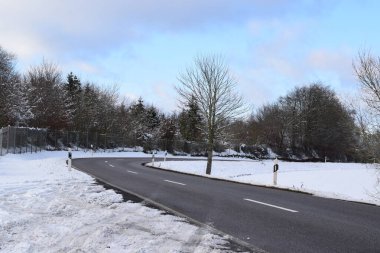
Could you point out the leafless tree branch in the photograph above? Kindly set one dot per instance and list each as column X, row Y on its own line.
column 367, row 69
column 212, row 86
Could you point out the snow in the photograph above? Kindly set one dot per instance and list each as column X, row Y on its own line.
column 271, row 154
column 46, row 208
column 230, row 152
column 346, row 181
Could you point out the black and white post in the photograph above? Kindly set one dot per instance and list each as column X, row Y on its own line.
column 275, row 169
column 69, row 159
column 166, row 153
column 153, row 158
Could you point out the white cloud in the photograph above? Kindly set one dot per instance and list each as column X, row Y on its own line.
column 86, row 67
column 88, row 36
column 96, row 27
column 130, row 96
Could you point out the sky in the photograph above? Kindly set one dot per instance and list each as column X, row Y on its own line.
column 142, row 46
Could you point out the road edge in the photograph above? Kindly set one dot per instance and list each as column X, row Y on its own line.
column 179, row 214
column 257, row 185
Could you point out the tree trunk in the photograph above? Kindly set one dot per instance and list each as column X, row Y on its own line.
column 209, row 158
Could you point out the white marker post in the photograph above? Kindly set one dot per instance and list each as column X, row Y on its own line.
column 166, row 153
column 69, row 159
column 153, row 158
column 275, row 169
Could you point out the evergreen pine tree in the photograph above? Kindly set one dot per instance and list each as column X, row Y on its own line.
column 19, row 111
column 73, row 89
column 190, row 122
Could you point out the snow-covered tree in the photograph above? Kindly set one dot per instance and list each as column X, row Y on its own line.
column 88, row 112
column 8, row 78
column 138, row 121
column 145, row 124
column 107, row 113
column 168, row 132
column 73, row 89
column 47, row 96
column 19, row 108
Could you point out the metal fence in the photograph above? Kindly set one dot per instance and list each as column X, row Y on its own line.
column 58, row 140
column 17, row 140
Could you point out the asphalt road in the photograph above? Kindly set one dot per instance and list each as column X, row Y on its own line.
column 270, row 219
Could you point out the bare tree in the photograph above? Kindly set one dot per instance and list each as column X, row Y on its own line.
column 47, row 96
column 210, row 83
column 367, row 69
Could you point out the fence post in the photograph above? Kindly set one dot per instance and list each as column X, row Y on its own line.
column 105, row 142
column 87, row 140
column 78, row 139
column 21, row 144
column 96, row 138
column 8, row 139
column 31, row 142
column 1, row 141
column 14, row 139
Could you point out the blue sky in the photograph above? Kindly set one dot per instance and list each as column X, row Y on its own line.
column 270, row 46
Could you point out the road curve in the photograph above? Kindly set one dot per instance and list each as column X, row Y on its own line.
column 269, row 219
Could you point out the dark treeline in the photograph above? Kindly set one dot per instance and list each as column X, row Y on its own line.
column 309, row 122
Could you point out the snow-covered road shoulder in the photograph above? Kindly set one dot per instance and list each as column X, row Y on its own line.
column 345, row 181
column 46, row 208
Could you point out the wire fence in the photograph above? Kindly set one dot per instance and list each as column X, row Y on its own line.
column 17, row 140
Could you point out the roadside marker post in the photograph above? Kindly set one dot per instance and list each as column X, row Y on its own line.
column 275, row 169
column 153, row 158
column 166, row 153
column 69, row 159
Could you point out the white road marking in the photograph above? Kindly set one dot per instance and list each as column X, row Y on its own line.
column 173, row 182
column 106, row 161
column 111, row 165
column 266, row 204
column 133, row 172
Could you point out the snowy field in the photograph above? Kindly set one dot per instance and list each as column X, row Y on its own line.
column 46, row 208
column 347, row 181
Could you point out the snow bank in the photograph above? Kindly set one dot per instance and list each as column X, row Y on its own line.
column 347, row 181
column 46, row 208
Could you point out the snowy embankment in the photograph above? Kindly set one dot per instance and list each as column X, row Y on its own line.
column 346, row 181
column 46, row 208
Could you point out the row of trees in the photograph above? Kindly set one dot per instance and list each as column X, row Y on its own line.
column 43, row 98
column 310, row 121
